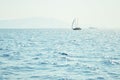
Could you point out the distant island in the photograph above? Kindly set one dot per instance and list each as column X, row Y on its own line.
column 33, row 23
column 92, row 28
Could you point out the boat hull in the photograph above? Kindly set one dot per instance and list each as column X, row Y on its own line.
column 76, row 28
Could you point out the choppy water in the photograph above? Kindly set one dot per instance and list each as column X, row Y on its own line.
column 54, row 54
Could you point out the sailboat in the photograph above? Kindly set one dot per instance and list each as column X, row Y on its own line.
column 75, row 25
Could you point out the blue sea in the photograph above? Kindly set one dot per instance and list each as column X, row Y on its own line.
column 59, row 54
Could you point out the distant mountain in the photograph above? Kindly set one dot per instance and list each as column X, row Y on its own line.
column 33, row 23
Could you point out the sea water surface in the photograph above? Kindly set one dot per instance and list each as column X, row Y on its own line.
column 59, row 54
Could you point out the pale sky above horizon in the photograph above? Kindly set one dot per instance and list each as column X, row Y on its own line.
column 104, row 13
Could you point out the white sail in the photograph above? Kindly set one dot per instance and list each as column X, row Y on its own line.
column 74, row 24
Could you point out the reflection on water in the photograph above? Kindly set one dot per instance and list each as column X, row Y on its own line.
column 54, row 54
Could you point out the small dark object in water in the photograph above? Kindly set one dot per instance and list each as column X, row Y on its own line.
column 64, row 54
column 36, row 58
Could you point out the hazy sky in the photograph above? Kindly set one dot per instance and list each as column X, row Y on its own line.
column 102, row 13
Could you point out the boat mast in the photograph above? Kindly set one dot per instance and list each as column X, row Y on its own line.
column 74, row 23
column 77, row 22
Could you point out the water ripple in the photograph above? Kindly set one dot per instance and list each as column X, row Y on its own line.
column 59, row 55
